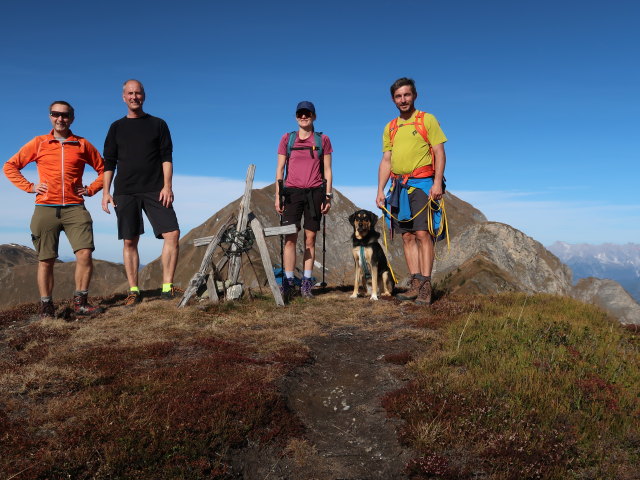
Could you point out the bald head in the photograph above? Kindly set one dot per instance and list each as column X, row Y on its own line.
column 133, row 96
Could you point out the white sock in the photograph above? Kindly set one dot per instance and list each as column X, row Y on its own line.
column 308, row 273
column 288, row 274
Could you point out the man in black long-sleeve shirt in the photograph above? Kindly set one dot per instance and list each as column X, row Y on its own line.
column 139, row 147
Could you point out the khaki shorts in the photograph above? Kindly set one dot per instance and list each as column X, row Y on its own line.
column 47, row 223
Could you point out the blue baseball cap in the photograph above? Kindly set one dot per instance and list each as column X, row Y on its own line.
column 306, row 106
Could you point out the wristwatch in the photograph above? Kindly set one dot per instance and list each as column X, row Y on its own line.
column 329, row 195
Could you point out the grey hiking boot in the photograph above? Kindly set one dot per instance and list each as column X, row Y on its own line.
column 287, row 289
column 414, row 288
column 305, row 288
column 424, row 294
column 81, row 305
column 47, row 310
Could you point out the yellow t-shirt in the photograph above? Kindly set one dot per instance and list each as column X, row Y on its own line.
column 409, row 150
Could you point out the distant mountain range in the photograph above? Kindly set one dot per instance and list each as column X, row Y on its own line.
column 616, row 262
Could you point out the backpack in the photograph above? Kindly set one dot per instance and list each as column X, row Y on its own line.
column 420, row 128
column 291, row 140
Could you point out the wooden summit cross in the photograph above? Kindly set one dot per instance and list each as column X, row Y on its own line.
column 239, row 235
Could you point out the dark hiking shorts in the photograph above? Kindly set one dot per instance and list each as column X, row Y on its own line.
column 129, row 212
column 47, row 223
column 417, row 200
column 299, row 201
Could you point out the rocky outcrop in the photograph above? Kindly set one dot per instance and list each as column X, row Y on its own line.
column 610, row 296
column 494, row 257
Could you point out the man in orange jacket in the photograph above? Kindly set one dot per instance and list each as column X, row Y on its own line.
column 60, row 158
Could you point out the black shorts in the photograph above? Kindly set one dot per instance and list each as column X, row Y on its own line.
column 417, row 200
column 303, row 200
column 129, row 212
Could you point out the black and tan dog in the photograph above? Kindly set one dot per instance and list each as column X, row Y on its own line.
column 368, row 255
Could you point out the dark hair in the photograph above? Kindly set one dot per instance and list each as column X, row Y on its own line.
column 403, row 82
column 62, row 102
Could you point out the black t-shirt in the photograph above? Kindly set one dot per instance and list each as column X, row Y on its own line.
column 137, row 148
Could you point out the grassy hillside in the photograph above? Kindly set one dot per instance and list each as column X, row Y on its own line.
column 525, row 387
column 502, row 387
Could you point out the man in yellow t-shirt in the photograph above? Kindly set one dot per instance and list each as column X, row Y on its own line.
column 416, row 157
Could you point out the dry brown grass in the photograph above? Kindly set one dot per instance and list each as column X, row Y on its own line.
column 154, row 391
column 161, row 392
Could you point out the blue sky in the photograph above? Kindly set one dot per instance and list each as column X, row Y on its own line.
column 539, row 100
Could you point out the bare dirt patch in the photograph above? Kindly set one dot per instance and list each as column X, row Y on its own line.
column 337, row 397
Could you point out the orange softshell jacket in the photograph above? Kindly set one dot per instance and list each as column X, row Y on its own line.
column 60, row 165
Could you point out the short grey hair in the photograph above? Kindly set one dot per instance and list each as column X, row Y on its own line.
column 133, row 80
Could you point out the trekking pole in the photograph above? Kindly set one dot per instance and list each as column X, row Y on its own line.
column 324, row 236
column 281, row 196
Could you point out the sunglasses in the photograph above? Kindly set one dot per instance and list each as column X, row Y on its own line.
column 60, row 114
column 303, row 113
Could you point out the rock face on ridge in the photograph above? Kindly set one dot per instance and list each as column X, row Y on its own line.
column 493, row 257
column 610, row 296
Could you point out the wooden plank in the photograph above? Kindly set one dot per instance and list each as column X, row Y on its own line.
column 202, row 241
column 241, row 226
column 258, row 232
column 199, row 277
column 211, row 285
column 283, row 230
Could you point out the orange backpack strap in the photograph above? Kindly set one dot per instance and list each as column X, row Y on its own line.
column 420, row 127
column 393, row 129
column 422, row 130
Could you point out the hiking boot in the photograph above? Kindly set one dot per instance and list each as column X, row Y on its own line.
column 175, row 292
column 414, row 289
column 132, row 299
column 287, row 289
column 305, row 288
column 47, row 310
column 81, row 305
column 424, row 295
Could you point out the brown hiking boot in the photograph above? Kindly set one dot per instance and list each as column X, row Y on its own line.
column 424, row 295
column 414, row 289
column 132, row 299
column 81, row 305
column 175, row 292
column 47, row 310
